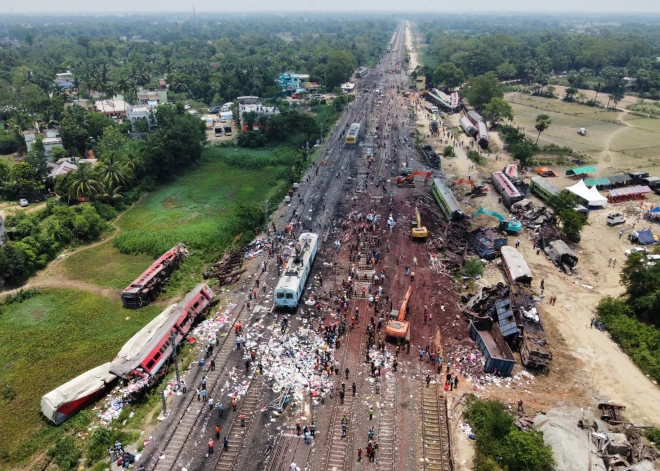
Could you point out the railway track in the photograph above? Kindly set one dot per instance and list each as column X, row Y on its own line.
column 193, row 413
column 387, row 426
column 435, row 429
column 237, row 431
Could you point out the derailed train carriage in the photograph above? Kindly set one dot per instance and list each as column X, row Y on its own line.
column 142, row 356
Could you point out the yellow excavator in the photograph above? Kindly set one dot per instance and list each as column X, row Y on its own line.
column 420, row 231
column 397, row 326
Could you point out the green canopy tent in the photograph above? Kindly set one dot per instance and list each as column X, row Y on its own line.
column 580, row 171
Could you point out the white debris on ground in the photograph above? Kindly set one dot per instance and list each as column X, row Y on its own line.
column 119, row 397
column 290, row 360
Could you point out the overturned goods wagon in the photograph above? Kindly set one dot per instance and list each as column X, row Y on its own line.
column 147, row 286
column 534, row 348
column 482, row 136
column 486, row 242
column 562, row 255
column 497, row 353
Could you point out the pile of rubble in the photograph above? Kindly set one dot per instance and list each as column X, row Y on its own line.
column 515, row 315
column 228, row 270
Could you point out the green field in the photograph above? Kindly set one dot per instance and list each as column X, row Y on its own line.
column 197, row 209
column 614, row 139
column 47, row 340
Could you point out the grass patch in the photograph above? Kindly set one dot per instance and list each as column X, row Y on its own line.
column 500, row 445
column 55, row 336
column 207, row 208
column 646, row 107
column 117, row 271
column 476, row 157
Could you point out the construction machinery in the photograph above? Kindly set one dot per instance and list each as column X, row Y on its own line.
column 409, row 181
column 420, row 231
column 477, row 190
column 397, row 326
column 505, row 225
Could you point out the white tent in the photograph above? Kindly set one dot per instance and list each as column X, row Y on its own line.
column 591, row 196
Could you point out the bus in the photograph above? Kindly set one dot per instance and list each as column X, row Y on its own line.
column 446, row 200
column 352, row 135
column 505, row 188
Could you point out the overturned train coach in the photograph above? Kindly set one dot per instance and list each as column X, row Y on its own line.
column 148, row 285
column 142, row 355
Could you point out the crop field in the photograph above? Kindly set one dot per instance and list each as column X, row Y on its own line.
column 615, row 140
column 197, row 209
column 47, row 340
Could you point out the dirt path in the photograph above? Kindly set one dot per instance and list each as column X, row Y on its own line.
column 413, row 63
column 54, row 276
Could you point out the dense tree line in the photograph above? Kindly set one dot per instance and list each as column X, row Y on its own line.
column 127, row 167
column 597, row 57
column 210, row 61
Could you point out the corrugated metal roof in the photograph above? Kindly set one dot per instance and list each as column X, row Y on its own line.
column 630, row 191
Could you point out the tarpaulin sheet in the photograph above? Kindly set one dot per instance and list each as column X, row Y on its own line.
column 581, row 170
column 630, row 191
column 645, row 237
column 597, row 182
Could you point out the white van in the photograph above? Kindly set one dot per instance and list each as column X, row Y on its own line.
column 434, row 109
column 615, row 218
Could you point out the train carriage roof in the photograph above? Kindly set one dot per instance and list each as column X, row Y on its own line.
column 79, row 387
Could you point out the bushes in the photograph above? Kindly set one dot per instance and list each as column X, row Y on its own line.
column 476, row 157
column 500, row 445
column 8, row 144
column 102, row 439
column 473, row 267
column 639, row 341
column 65, row 453
column 40, row 235
column 448, row 152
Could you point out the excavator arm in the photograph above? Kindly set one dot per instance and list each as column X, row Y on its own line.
column 402, row 311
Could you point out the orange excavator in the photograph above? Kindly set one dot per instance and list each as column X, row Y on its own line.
column 409, row 180
column 477, row 190
column 397, row 326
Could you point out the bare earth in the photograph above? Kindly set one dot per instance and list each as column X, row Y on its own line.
column 588, row 367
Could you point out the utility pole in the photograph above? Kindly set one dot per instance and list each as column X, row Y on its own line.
column 173, row 334
column 194, row 15
column 307, row 149
column 266, row 214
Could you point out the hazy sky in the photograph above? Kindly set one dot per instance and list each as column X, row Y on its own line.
column 475, row 6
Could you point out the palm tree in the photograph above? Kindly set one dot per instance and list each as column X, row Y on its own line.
column 543, row 122
column 133, row 156
column 112, row 173
column 112, row 194
column 83, row 183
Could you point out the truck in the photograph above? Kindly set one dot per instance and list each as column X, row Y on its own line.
column 226, row 116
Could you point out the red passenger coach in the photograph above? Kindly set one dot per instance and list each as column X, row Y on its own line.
column 147, row 286
column 157, row 350
column 194, row 305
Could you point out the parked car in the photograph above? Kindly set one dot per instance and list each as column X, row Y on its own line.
column 214, row 110
column 582, row 132
column 23, row 202
column 633, row 250
column 614, row 219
